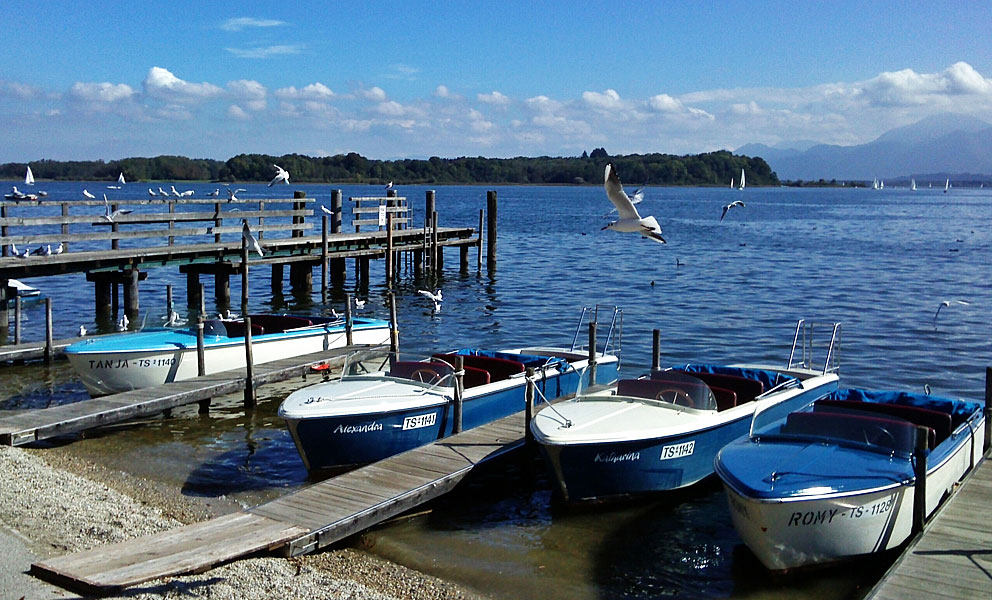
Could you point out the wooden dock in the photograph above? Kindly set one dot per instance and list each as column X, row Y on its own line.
column 31, row 426
column 301, row 522
column 953, row 556
column 35, row 350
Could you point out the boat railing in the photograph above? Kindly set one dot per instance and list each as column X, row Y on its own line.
column 805, row 347
column 611, row 320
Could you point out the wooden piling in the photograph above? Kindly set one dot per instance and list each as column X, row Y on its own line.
column 244, row 276
column 168, row 302
column 65, row 225
column 250, row 399
column 920, row 483
column 192, row 290
column 49, row 351
column 5, row 292
column 217, row 221
column 17, row 319
column 222, row 288
column 323, row 254
column 338, row 267
column 437, row 258
column 429, row 215
column 101, row 289
column 529, row 409
column 203, row 300
column 491, row 234
column 389, row 250
column 3, row 233
column 114, row 227
column 592, row 353
column 459, row 394
column 478, row 264
column 363, row 271
column 131, row 304
column 349, row 326
column 201, row 363
column 276, row 282
column 655, row 350
column 394, row 330
column 172, row 223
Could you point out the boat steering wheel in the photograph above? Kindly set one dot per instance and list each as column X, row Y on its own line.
column 675, row 396
column 876, row 433
column 425, row 376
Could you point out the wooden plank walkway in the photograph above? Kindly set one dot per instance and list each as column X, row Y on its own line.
column 30, row 426
column 301, row 522
column 35, row 350
column 953, row 557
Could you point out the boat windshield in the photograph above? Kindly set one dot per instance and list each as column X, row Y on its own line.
column 673, row 387
column 431, row 371
column 826, row 422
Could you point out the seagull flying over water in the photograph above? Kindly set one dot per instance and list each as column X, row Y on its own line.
column 282, row 175
column 436, row 297
column 630, row 221
column 89, row 195
column 250, row 238
column 946, row 303
column 727, row 207
column 635, row 198
column 231, row 194
column 110, row 216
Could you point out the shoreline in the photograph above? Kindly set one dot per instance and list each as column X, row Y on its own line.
column 54, row 503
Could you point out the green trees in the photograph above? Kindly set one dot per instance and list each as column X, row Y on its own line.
column 711, row 168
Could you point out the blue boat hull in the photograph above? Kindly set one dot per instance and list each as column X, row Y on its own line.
column 339, row 442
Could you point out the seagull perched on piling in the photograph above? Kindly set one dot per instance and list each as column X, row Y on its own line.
column 389, row 186
column 251, row 239
column 946, row 303
column 231, row 194
column 282, row 175
column 326, row 210
column 630, row 221
column 110, row 216
column 89, row 195
column 727, row 207
column 45, row 250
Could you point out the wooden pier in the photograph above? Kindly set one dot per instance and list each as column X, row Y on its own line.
column 34, row 425
column 301, row 522
column 953, row 556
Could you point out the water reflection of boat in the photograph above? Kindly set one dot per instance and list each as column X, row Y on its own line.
column 117, row 363
column 662, row 431
column 836, row 480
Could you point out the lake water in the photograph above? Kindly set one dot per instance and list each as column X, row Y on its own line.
column 880, row 262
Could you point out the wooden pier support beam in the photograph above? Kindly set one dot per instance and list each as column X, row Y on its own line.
column 250, row 398
column 131, row 304
column 276, row 279
column 192, row 290
column 418, row 264
column 323, row 254
column 390, row 257
column 5, row 293
column 655, row 350
column 49, row 332
column 301, row 277
column 363, row 271
column 463, row 259
column 478, row 265
column 101, row 299
column 491, row 234
column 338, row 268
column 394, row 328
column 222, row 289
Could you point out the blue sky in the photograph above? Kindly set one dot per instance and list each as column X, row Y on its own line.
column 418, row 79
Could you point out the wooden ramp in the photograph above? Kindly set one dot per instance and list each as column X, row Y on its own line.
column 953, row 557
column 300, row 522
column 34, row 425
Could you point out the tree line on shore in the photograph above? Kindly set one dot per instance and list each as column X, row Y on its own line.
column 711, row 168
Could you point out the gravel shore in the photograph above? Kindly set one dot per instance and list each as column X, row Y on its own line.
column 52, row 503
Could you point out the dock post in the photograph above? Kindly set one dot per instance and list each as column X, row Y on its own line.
column 172, row 221
column 920, row 483
column 4, row 311
column 394, row 330
column 114, row 227
column 478, row 257
column 131, row 305
column 323, row 254
column 390, row 267
column 655, row 350
column 491, row 234
column 250, row 399
column 49, row 345
column 244, row 276
column 363, row 271
column 592, row 354
column 338, row 268
column 201, row 363
column 429, row 213
column 349, row 325
column 222, row 289
column 101, row 289
column 218, row 221
column 529, row 410
column 463, row 256
column 168, row 302
column 988, row 410
column 203, row 300
column 192, row 289
column 65, row 225
column 437, row 256
column 301, row 205
column 276, row 279
column 459, row 394
column 3, row 232
column 418, row 264
column 17, row 319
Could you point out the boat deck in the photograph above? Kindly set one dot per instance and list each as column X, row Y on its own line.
column 33, row 425
column 298, row 523
column 953, row 557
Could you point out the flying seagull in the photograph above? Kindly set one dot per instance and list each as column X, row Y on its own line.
column 110, row 216
column 231, row 194
column 436, row 297
column 629, row 221
column 282, row 175
column 946, row 303
column 389, row 185
column 89, row 195
column 727, row 207
column 635, row 198
column 250, row 238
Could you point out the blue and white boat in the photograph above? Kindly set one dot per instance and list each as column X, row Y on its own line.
column 836, row 479
column 662, row 431
column 119, row 363
column 386, row 404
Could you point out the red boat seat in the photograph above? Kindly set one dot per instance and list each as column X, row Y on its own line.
column 498, row 368
column 880, row 431
column 426, row 372
column 938, row 422
column 745, row 389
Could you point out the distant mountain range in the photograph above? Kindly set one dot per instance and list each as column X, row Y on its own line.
column 945, row 143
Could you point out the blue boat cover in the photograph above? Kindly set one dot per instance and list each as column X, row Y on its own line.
column 768, row 378
column 528, row 360
column 959, row 410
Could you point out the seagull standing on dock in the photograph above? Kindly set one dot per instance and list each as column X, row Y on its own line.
column 82, row 330
column 282, row 175
column 360, row 304
column 947, row 303
column 214, row 193
column 176, row 193
column 59, row 249
column 151, row 193
column 122, row 323
column 727, row 207
column 231, row 194
column 162, row 192
column 250, row 238
column 630, row 221
column 110, row 216
column 89, row 195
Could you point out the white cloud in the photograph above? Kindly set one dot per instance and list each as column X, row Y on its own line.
column 375, row 94
column 314, row 91
column 666, row 104
column 608, row 100
column 442, row 91
column 240, row 23
column 23, row 91
column 390, row 108
column 494, row 98
column 101, row 92
column 250, row 93
column 267, row 51
column 162, row 84
column 236, row 112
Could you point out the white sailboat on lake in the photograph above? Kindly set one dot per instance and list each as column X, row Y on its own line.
column 742, row 178
column 912, row 184
column 947, row 185
column 29, row 177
